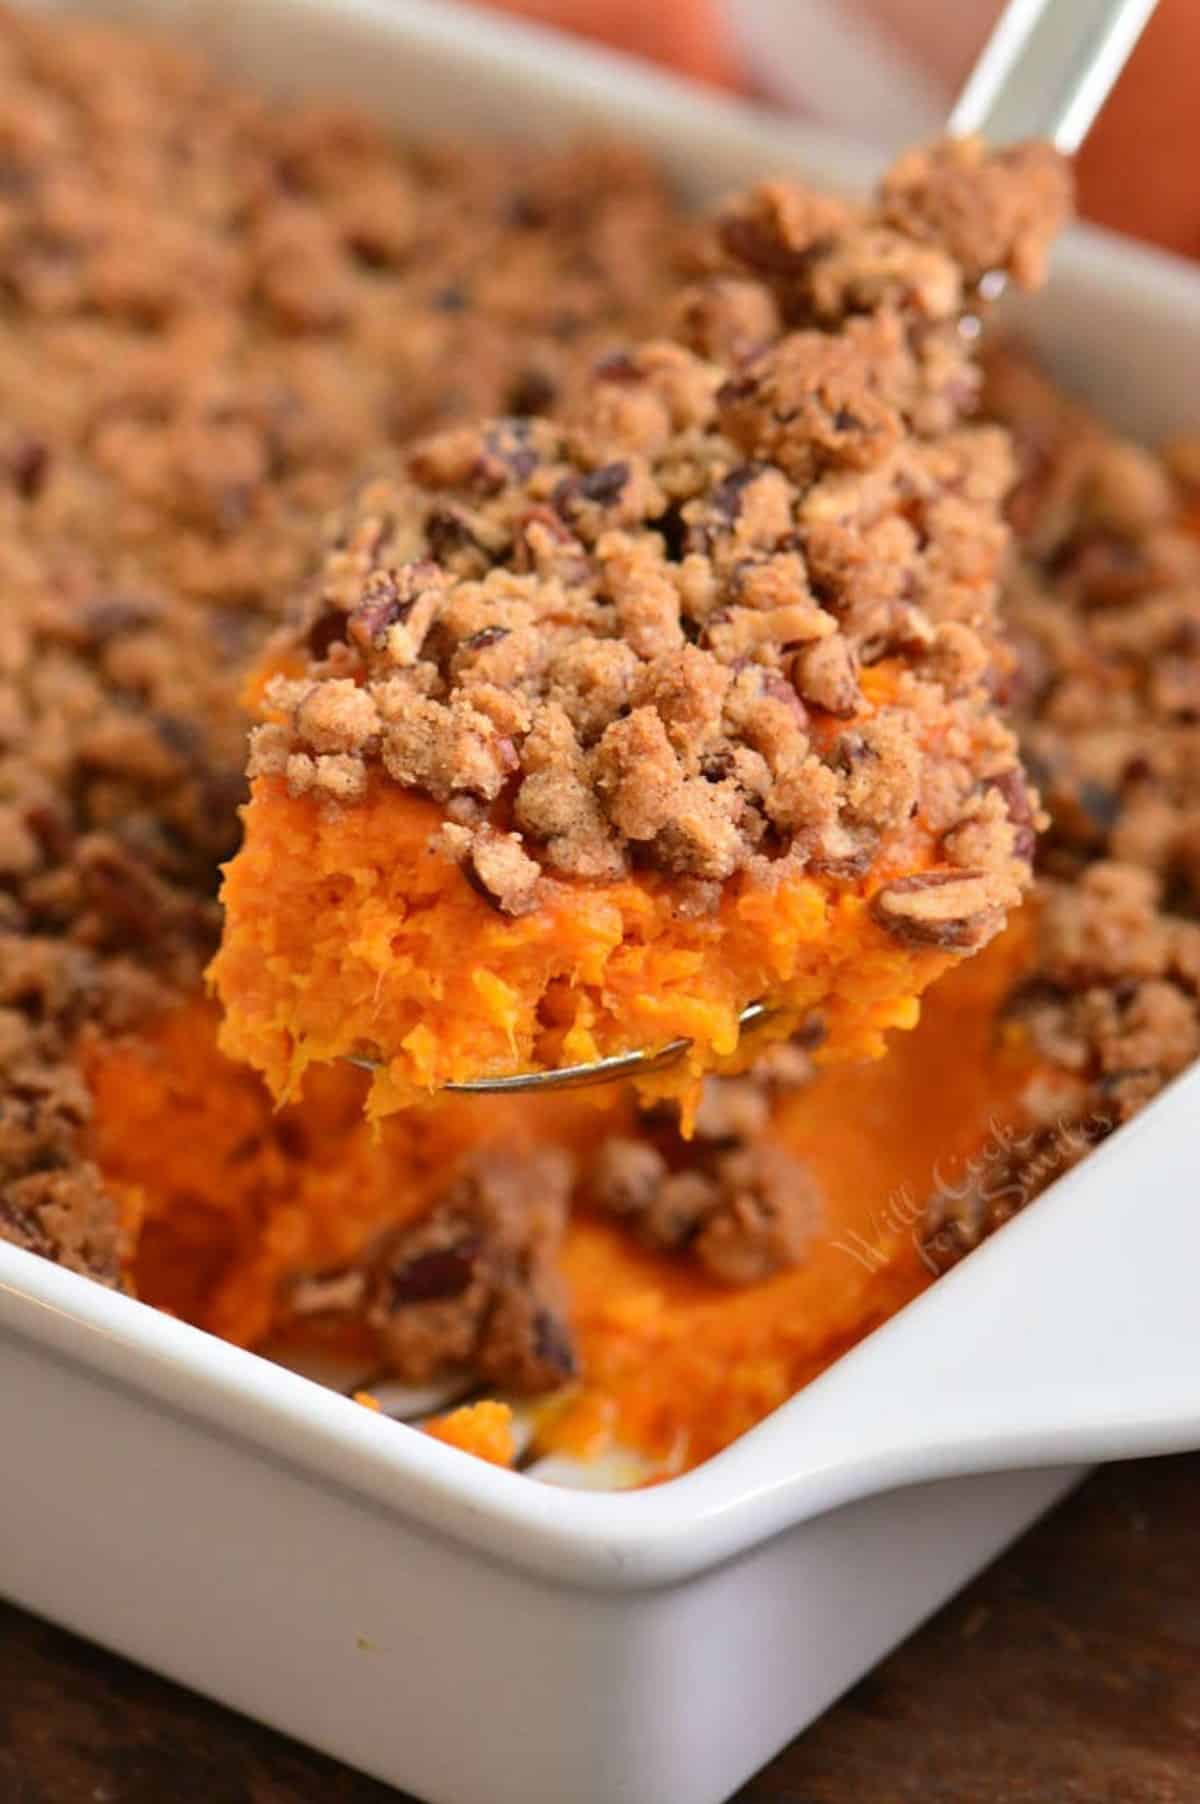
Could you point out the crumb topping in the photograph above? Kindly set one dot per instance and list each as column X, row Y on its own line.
column 633, row 638
column 1103, row 607
column 475, row 1282
column 218, row 313
column 64, row 1216
column 742, row 1207
column 996, row 212
column 731, row 1199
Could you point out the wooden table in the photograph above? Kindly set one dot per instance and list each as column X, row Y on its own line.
column 1068, row 1674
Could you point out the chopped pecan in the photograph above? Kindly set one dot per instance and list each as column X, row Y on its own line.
column 502, row 872
column 825, row 676
column 958, row 910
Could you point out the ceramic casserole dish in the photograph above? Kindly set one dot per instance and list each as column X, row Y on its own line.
column 468, row 1633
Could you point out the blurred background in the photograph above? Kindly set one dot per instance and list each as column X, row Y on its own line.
column 886, row 70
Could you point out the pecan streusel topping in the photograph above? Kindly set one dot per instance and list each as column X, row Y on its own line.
column 217, row 313
column 1103, row 602
column 726, row 616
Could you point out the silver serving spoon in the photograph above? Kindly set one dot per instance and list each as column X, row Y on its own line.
column 581, row 1077
column 1045, row 72
column 1047, row 69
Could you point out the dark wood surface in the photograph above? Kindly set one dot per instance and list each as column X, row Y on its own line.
column 1067, row 1674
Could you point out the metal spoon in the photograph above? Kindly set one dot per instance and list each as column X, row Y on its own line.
column 581, row 1077
column 1045, row 72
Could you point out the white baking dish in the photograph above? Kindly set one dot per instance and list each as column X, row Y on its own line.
column 464, row 1632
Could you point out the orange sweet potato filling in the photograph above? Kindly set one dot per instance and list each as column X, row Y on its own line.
column 678, row 1366
column 484, row 1429
column 345, row 933
column 233, row 1196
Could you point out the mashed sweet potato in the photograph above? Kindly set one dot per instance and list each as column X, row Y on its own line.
column 348, row 933
column 236, row 1199
column 484, row 1429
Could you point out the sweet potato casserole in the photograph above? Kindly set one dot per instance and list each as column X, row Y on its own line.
column 769, row 639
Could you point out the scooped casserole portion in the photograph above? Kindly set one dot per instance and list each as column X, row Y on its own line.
column 221, row 317
column 603, row 728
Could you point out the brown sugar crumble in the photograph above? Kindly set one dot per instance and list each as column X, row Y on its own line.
column 217, row 312
column 639, row 630
column 737, row 1204
column 632, row 637
column 1103, row 606
column 475, row 1283
column 688, row 686
column 743, row 1207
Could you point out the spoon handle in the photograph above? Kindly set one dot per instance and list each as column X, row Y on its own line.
column 1047, row 69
